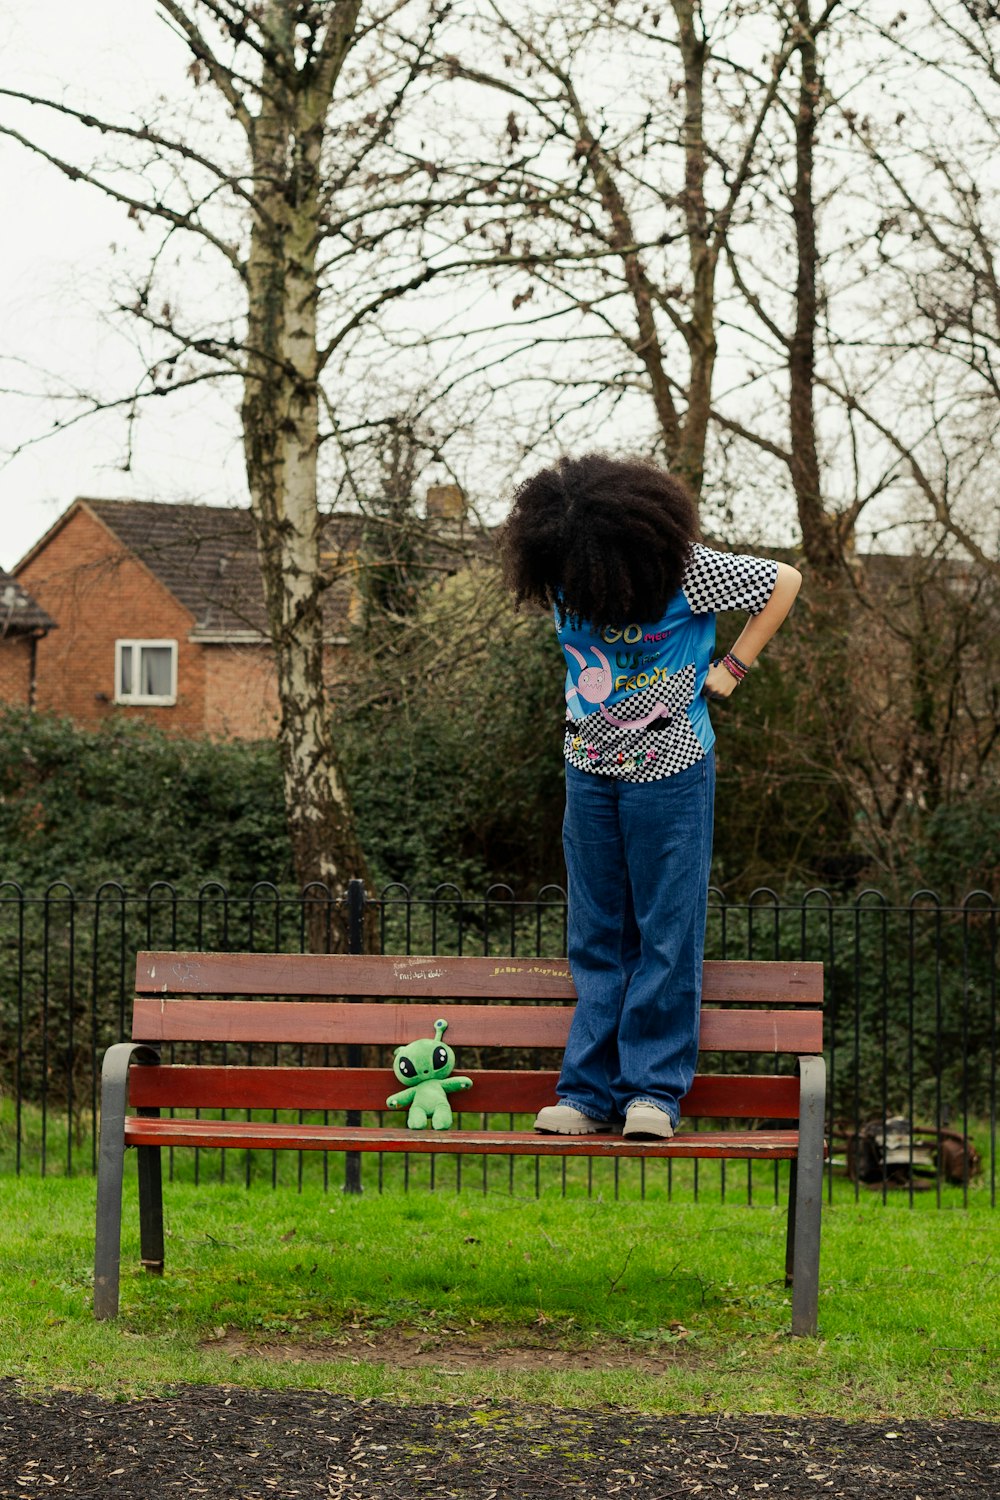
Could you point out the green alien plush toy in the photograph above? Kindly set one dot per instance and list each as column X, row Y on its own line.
column 425, row 1066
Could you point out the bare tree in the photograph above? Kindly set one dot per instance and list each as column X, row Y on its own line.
column 890, row 343
column 648, row 149
column 669, row 197
column 286, row 176
column 890, row 353
column 926, row 389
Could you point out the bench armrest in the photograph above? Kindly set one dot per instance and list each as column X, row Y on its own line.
column 111, row 1152
column 806, row 1197
column 114, row 1078
column 812, row 1099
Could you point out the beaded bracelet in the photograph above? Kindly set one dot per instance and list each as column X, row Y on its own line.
column 735, row 667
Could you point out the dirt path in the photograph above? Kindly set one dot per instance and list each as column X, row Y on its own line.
column 452, row 1351
column 231, row 1444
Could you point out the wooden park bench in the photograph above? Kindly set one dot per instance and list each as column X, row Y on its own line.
column 376, row 1003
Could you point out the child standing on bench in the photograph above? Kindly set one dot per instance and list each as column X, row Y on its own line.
column 611, row 547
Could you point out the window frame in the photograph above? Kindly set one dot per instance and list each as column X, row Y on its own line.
column 140, row 700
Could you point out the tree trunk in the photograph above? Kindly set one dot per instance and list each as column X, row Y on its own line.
column 827, row 600
column 622, row 237
column 699, row 329
column 280, row 422
column 820, row 541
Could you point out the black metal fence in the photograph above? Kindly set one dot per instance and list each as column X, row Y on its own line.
column 911, row 1001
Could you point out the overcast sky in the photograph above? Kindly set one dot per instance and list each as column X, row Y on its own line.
column 56, row 271
column 63, row 249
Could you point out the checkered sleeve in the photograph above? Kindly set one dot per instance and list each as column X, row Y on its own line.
column 715, row 581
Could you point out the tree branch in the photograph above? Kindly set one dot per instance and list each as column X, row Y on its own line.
column 222, row 77
column 156, row 210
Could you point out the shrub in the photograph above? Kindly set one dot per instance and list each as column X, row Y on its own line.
column 127, row 802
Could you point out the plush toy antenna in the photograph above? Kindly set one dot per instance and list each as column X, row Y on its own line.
column 440, row 1027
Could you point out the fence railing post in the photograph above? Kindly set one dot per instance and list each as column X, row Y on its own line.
column 911, row 1019
column 355, row 944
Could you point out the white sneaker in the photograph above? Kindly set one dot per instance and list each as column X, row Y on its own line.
column 644, row 1122
column 565, row 1119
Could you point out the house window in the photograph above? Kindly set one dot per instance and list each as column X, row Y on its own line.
column 146, row 672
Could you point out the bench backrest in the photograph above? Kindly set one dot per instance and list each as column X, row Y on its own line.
column 770, row 1008
column 747, row 1007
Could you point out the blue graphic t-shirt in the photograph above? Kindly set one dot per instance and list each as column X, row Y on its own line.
column 634, row 706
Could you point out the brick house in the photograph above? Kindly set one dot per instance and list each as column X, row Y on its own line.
column 161, row 616
column 160, row 613
column 23, row 624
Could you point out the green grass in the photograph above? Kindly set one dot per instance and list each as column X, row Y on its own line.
column 909, row 1305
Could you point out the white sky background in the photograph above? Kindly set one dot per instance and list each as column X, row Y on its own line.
column 63, row 248
column 55, row 274
column 58, row 271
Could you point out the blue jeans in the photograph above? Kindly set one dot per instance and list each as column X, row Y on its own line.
column 637, row 858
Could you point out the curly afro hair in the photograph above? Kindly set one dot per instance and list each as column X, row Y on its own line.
column 602, row 539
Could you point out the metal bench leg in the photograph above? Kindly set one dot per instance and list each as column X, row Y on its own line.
column 793, row 1183
column 110, row 1170
column 808, row 1181
column 150, row 1207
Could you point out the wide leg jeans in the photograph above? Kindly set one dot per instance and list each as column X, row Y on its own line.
column 637, row 860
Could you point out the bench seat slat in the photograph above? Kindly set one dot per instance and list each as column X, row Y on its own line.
column 466, row 978
column 321, row 1022
column 732, row 1144
column 729, row 1096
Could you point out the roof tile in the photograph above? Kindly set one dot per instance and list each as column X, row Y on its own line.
column 206, row 556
